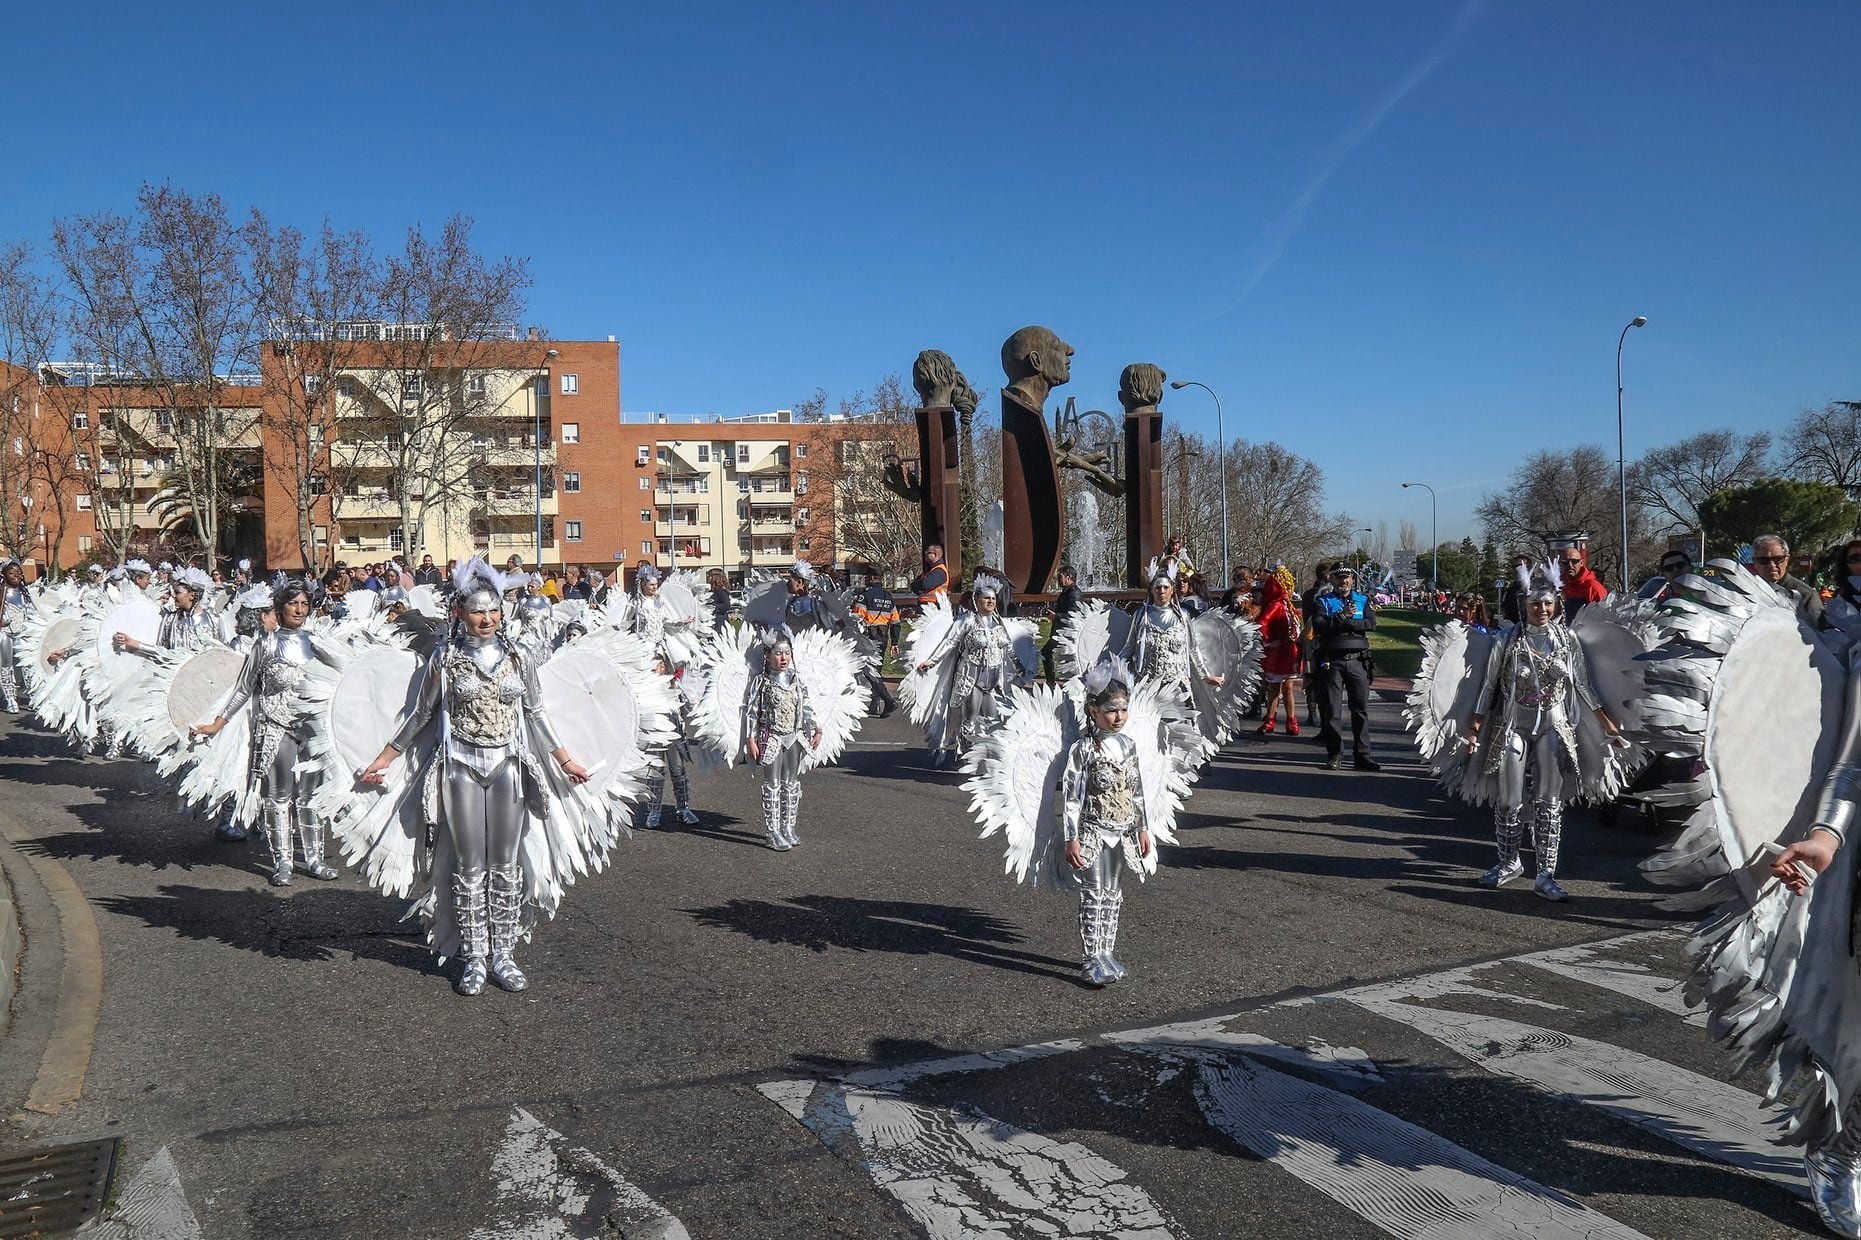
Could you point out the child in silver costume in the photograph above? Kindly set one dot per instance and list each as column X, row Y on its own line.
column 1101, row 810
column 779, row 727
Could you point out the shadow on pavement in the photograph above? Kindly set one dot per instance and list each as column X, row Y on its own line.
column 307, row 921
column 819, row 922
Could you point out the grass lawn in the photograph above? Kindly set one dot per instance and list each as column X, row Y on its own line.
column 1397, row 641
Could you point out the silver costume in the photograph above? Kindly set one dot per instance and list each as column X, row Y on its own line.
column 1101, row 807
column 1159, row 646
column 20, row 605
column 181, row 633
column 979, row 687
column 653, row 616
column 485, row 698
column 271, row 682
column 777, row 713
column 1534, row 683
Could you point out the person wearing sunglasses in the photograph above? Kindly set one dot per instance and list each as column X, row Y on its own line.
column 1770, row 561
column 1843, row 609
column 1581, row 587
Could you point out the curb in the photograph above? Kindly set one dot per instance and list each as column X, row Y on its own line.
column 12, row 945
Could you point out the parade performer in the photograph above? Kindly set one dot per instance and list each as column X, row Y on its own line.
column 18, row 608
column 660, row 621
column 1769, row 711
column 800, row 601
column 676, row 756
column 282, row 778
column 1504, row 718
column 483, row 799
column 785, row 702
column 964, row 669
column 186, row 625
column 1122, row 755
column 1279, row 634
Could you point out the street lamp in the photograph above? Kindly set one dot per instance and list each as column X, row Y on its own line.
column 1621, row 455
column 1434, row 538
column 1222, row 454
column 1184, row 454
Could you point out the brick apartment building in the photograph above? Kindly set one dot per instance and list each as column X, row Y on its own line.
column 353, row 436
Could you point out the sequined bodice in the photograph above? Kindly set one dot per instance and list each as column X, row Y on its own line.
column 986, row 643
column 285, row 659
column 1166, row 645
column 1111, row 800
column 185, row 630
column 781, row 704
column 1539, row 672
column 483, row 689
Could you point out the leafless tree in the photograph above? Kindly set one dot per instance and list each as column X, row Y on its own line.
column 1669, row 483
column 1408, row 537
column 870, row 524
column 1824, row 445
column 413, row 398
column 28, row 327
column 301, row 288
column 1553, row 492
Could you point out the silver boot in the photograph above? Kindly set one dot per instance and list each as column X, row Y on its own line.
column 310, row 836
column 9, row 686
column 772, row 816
column 653, row 811
column 230, row 828
column 469, row 909
column 1506, row 833
column 1835, row 1177
column 681, row 791
column 1091, row 938
column 791, row 806
column 505, row 905
column 275, row 818
column 1108, row 934
column 1549, row 832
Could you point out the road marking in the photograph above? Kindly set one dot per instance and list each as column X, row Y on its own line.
column 960, row 1173
column 1351, row 1066
column 153, row 1207
column 60, row 1081
column 550, row 1190
column 1402, row 1178
column 1586, row 963
column 1720, row 1121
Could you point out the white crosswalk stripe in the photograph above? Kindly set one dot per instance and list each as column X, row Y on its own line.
column 956, row 1171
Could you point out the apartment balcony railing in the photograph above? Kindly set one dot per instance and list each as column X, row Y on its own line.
column 513, row 503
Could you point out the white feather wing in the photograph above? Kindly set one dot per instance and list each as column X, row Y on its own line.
column 925, row 694
column 1229, row 647
column 830, row 666
column 1014, row 772
column 724, row 661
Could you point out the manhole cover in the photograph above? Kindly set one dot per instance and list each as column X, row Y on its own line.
column 51, row 1191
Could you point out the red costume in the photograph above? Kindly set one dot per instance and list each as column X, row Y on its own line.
column 1279, row 634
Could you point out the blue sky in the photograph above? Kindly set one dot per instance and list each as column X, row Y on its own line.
column 1399, row 238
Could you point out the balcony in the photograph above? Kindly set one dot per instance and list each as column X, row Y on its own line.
column 772, row 526
column 511, row 455
column 367, row 506
column 517, row 502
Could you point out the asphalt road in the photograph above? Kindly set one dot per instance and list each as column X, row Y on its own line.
column 762, row 1044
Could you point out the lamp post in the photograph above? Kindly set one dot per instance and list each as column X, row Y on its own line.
column 1221, row 447
column 1621, row 454
column 1365, row 530
column 1184, row 454
column 1434, row 538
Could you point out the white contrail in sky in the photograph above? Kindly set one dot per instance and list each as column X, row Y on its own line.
column 1339, row 149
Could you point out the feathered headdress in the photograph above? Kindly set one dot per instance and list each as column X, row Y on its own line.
column 647, row 573
column 803, row 570
column 1109, row 678
column 245, row 566
column 255, row 598
column 96, row 570
column 777, row 638
column 986, row 587
column 193, row 579
column 476, row 577
column 137, row 568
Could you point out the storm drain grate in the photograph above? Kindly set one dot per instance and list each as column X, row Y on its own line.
column 51, row 1191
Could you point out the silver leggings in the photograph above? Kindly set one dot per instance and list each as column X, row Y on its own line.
column 1540, row 754
column 484, row 814
column 785, row 769
column 280, row 780
column 1101, row 896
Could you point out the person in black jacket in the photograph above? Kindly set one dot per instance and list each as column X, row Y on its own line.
column 1341, row 626
column 1512, row 598
column 1065, row 603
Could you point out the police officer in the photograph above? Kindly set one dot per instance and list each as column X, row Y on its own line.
column 1341, row 627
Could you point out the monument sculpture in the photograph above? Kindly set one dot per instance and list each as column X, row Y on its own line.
column 1035, row 361
column 1140, row 391
column 933, row 481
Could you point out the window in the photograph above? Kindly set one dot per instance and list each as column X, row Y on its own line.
column 321, row 535
column 665, row 455
column 80, row 421
column 646, row 484
column 804, row 544
column 743, row 486
column 801, row 450
column 571, row 481
column 394, row 539
column 474, row 384
column 84, row 542
column 704, row 484
column 801, row 483
column 646, row 548
column 743, row 454
column 346, row 386
column 704, row 454
column 571, row 384
column 571, row 432
column 646, row 515
column 410, row 387
column 542, row 387
column 83, row 503
column 643, row 455
column 164, row 421
column 393, row 441
column 19, row 445
column 572, row 530
column 756, row 485
column 801, row 516
column 83, row 460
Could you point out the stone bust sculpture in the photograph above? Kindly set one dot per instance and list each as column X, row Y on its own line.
column 1036, row 361
column 940, row 383
column 1140, row 387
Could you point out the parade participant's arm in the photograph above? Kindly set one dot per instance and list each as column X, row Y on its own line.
column 1072, row 802
column 243, row 691
column 533, row 704
column 1835, row 810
